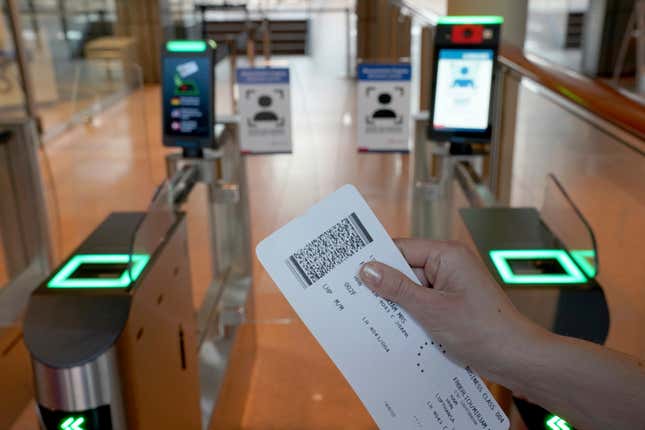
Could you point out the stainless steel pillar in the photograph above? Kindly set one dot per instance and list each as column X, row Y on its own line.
column 433, row 208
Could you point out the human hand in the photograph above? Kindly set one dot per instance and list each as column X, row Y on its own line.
column 459, row 304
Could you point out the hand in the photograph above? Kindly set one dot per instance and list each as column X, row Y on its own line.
column 459, row 304
column 464, row 309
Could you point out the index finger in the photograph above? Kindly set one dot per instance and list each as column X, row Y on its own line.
column 417, row 251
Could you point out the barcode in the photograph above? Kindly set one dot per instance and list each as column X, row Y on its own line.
column 328, row 250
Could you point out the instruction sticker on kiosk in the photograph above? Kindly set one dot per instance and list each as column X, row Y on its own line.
column 403, row 377
column 264, row 104
column 383, row 100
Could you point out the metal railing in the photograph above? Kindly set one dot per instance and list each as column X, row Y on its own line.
column 603, row 107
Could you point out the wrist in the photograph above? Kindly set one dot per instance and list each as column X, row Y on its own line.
column 519, row 356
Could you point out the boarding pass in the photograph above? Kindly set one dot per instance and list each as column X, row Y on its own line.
column 404, row 378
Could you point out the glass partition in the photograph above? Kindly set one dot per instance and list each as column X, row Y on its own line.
column 602, row 173
column 92, row 87
column 102, row 162
column 150, row 232
column 12, row 101
column 60, row 36
column 568, row 224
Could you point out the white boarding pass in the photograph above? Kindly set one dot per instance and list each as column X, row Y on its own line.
column 404, row 378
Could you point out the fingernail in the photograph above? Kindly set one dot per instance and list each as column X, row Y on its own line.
column 370, row 274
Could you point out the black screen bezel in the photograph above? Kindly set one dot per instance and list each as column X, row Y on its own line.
column 461, row 135
column 190, row 141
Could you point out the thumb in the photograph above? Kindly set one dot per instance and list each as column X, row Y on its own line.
column 393, row 285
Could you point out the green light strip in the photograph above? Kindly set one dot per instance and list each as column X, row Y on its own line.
column 72, row 423
column 554, row 422
column 61, row 279
column 500, row 259
column 476, row 19
column 186, row 46
column 582, row 257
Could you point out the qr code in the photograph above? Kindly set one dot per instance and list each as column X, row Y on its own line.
column 328, row 250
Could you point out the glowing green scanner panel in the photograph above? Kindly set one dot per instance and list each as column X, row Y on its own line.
column 586, row 259
column 570, row 273
column 99, row 271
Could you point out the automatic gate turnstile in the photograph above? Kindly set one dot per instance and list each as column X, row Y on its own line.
column 112, row 337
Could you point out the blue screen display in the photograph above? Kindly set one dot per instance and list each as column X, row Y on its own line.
column 463, row 90
column 186, row 97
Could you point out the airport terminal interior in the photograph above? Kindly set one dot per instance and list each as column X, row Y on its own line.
column 147, row 147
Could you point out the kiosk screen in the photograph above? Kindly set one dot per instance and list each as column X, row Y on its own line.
column 186, row 97
column 463, row 90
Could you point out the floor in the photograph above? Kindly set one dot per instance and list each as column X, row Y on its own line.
column 114, row 162
column 295, row 385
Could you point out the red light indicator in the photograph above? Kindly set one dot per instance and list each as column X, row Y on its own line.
column 467, row 34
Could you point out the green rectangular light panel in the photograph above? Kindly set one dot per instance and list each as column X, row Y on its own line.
column 62, row 278
column 477, row 19
column 586, row 259
column 186, row 46
column 500, row 259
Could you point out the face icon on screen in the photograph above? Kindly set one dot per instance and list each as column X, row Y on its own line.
column 268, row 114
column 383, row 105
column 464, row 78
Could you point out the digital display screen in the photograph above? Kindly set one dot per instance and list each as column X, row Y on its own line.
column 186, row 96
column 463, row 89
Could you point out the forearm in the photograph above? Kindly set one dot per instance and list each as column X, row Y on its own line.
column 590, row 386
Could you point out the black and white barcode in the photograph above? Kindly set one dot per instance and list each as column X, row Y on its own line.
column 328, row 250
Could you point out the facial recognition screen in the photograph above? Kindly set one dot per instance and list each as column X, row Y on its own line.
column 463, row 90
column 186, row 96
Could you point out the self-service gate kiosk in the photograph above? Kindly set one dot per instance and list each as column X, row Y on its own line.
column 460, row 122
column 112, row 336
column 546, row 260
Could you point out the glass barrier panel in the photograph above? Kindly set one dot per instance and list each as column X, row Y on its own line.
column 152, row 228
column 603, row 175
column 101, row 162
column 568, row 224
column 60, row 35
column 12, row 100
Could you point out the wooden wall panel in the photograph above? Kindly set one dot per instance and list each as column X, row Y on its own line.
column 426, row 68
column 143, row 20
column 383, row 32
